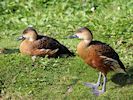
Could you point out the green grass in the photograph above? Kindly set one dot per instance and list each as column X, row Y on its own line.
column 62, row 78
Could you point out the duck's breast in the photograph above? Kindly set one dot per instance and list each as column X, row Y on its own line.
column 26, row 47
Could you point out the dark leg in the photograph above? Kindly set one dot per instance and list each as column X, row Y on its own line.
column 94, row 86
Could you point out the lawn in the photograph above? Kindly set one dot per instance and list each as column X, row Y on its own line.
column 111, row 21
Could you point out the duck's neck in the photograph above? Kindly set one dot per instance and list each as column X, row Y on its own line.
column 87, row 42
column 33, row 38
column 82, row 48
column 84, row 44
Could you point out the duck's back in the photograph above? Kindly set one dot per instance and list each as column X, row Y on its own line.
column 103, row 49
column 51, row 43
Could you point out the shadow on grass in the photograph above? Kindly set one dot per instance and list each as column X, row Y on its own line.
column 11, row 51
column 123, row 79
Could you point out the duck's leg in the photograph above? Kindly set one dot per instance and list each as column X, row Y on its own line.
column 94, row 86
column 98, row 92
column 33, row 60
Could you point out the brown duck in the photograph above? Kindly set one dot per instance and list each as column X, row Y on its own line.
column 38, row 45
column 99, row 56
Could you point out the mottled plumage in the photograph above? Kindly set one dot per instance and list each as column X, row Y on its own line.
column 99, row 49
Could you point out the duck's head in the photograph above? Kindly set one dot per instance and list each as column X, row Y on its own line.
column 83, row 33
column 29, row 33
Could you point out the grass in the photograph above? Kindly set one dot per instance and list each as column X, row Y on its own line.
column 62, row 78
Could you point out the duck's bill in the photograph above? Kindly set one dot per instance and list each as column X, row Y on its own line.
column 73, row 36
column 20, row 38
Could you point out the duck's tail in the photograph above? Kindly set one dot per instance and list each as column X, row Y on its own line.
column 64, row 51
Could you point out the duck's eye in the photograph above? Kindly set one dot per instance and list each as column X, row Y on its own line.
column 24, row 32
column 80, row 31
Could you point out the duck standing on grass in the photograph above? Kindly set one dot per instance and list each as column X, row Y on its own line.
column 99, row 56
column 39, row 45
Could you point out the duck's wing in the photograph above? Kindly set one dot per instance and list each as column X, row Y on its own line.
column 45, row 42
column 51, row 43
column 114, row 64
column 43, row 52
column 105, row 51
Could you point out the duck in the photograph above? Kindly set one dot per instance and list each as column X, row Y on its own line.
column 35, row 45
column 99, row 56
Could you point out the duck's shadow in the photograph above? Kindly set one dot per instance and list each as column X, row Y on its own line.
column 11, row 51
column 123, row 79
